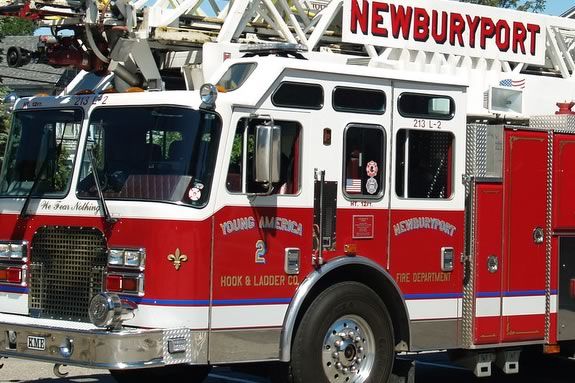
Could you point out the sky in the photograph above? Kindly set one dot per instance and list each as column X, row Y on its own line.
column 557, row 7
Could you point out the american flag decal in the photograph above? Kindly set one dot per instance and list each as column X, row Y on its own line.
column 353, row 185
column 513, row 83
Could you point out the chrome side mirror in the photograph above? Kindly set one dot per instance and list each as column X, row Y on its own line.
column 267, row 154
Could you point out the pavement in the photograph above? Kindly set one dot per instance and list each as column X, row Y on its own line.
column 429, row 368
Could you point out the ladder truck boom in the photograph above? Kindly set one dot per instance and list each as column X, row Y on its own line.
column 143, row 41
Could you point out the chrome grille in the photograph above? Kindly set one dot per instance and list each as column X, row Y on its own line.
column 66, row 271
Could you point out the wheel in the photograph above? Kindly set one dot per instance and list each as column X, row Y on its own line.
column 187, row 373
column 345, row 336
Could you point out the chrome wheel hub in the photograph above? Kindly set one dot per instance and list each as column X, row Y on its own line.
column 348, row 350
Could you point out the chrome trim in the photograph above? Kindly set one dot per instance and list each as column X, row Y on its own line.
column 548, row 239
column 499, row 346
column 484, row 151
column 447, row 259
column 292, row 260
column 307, row 285
column 481, row 165
column 244, row 345
column 558, row 123
column 96, row 348
column 193, row 346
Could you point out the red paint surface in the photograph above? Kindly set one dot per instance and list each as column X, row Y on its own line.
column 564, row 182
column 418, row 253
column 488, row 239
column 525, row 191
column 160, row 238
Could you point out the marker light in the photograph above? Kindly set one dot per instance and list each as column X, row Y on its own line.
column 129, row 284
column 11, row 275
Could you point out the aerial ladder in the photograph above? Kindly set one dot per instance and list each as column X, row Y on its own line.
column 173, row 44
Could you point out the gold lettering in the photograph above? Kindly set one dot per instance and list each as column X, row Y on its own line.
column 424, row 277
column 293, row 280
column 403, row 277
column 231, row 280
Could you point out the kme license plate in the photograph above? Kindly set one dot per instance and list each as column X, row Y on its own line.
column 36, row 343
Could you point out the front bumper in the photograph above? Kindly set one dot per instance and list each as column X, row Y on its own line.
column 81, row 344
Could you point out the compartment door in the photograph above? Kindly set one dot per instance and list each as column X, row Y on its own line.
column 524, row 235
column 487, row 267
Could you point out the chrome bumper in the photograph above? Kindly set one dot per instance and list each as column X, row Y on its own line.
column 98, row 348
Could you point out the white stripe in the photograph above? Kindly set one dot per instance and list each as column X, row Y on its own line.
column 523, row 305
column 248, row 316
column 487, row 307
column 513, row 306
column 170, row 317
column 15, row 303
column 433, row 308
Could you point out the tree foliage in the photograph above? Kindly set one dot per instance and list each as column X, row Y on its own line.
column 15, row 26
column 522, row 5
column 4, row 122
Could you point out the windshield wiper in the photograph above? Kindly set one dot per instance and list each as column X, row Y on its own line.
column 101, row 198
column 24, row 211
column 54, row 152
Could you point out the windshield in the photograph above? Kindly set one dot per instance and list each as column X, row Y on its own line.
column 41, row 149
column 151, row 153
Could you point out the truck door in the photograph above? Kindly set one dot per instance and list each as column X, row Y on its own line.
column 427, row 208
column 524, row 231
column 262, row 243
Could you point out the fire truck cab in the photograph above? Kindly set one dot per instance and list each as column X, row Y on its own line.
column 204, row 225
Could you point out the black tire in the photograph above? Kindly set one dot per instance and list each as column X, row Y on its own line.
column 354, row 315
column 183, row 373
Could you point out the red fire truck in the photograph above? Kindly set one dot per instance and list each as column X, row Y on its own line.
column 339, row 190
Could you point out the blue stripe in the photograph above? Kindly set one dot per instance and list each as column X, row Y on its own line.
column 271, row 301
column 221, row 302
column 14, row 289
column 167, row 302
column 433, row 296
column 494, row 294
column 526, row 293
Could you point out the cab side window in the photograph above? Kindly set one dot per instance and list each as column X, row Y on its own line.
column 424, row 164
column 241, row 170
column 364, row 161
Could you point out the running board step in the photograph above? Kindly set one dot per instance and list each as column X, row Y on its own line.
column 508, row 361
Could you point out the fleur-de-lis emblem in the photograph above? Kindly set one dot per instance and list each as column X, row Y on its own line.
column 177, row 258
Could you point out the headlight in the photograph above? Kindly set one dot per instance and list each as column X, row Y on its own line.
column 116, row 257
column 133, row 258
column 17, row 251
column 4, row 250
column 13, row 250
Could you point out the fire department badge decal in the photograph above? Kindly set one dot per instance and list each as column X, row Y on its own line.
column 371, row 186
column 195, row 194
column 371, row 169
